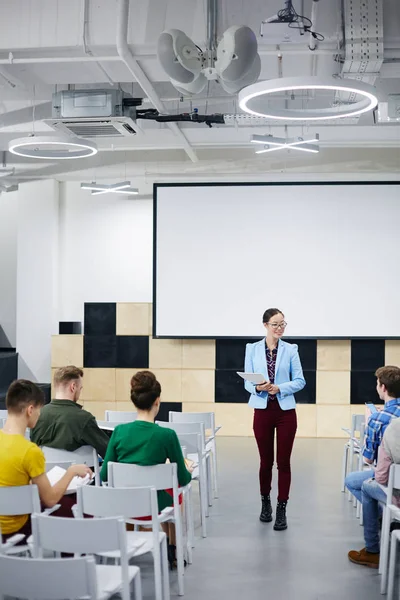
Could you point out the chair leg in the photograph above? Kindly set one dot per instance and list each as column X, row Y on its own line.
column 203, row 499
column 137, row 586
column 384, row 555
column 165, row 573
column 159, row 571
column 214, row 467
column 179, row 554
column 392, row 565
column 190, row 518
column 209, row 481
column 344, row 466
column 361, row 515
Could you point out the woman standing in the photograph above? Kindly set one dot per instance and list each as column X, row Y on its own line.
column 274, row 409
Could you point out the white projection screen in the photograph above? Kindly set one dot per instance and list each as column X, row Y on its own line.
column 326, row 254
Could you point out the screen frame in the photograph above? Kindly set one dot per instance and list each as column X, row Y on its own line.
column 156, row 186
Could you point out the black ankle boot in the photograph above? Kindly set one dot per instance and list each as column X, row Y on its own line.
column 280, row 522
column 172, row 556
column 266, row 509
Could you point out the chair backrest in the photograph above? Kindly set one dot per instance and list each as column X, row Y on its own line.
column 180, row 428
column 394, row 480
column 120, row 416
column 19, row 500
column 357, row 424
column 109, row 425
column 192, row 442
column 2, row 422
column 161, row 477
column 126, row 502
column 208, row 418
column 63, row 465
column 48, row 579
column 78, row 536
column 3, row 414
column 84, row 455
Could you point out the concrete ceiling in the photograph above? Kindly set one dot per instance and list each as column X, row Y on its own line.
column 41, row 51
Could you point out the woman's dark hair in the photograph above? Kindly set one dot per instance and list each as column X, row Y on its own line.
column 145, row 390
column 271, row 312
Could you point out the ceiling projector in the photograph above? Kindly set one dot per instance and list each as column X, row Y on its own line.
column 235, row 64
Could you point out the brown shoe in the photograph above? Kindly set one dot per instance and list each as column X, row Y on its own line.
column 365, row 558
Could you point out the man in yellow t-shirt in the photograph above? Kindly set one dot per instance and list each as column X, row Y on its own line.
column 21, row 461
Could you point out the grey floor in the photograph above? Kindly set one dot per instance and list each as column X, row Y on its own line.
column 244, row 559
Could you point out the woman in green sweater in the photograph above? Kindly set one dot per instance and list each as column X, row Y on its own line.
column 145, row 443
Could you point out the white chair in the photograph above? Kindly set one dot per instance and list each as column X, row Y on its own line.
column 84, row 455
column 394, row 544
column 108, row 425
column 120, row 416
column 3, row 414
column 131, row 503
column 352, row 447
column 90, row 536
column 161, row 477
column 208, row 418
column 2, row 422
column 20, row 500
column 48, row 579
column 390, row 513
column 204, row 456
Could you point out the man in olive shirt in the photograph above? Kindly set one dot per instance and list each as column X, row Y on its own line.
column 63, row 423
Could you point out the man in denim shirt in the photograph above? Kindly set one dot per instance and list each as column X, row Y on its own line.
column 388, row 388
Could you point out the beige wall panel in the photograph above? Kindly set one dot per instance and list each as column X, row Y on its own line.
column 392, row 352
column 133, row 319
column 333, row 355
column 150, row 319
column 198, row 354
column 98, row 384
column 306, row 420
column 333, row 387
column 125, row 406
column 199, row 407
column 236, row 419
column 66, row 350
column 331, row 419
column 165, row 354
column 98, row 408
column 198, row 385
column 171, row 384
column 123, row 383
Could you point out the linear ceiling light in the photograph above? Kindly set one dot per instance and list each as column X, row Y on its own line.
column 52, row 147
column 254, row 98
column 113, row 188
column 272, row 143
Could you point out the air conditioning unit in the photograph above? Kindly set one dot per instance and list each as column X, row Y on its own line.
column 94, row 113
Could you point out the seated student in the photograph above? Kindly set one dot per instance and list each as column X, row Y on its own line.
column 142, row 442
column 372, row 494
column 388, row 388
column 22, row 462
column 63, row 423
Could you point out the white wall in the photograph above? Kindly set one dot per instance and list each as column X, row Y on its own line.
column 37, row 269
column 8, row 267
column 106, row 249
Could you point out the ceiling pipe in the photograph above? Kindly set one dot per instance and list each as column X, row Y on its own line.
column 131, row 63
column 86, row 49
column 313, row 42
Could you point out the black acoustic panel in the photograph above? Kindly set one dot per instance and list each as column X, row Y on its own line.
column 8, row 368
column 308, row 394
column 229, row 387
column 132, row 352
column 3, row 400
column 69, row 327
column 363, row 388
column 230, row 353
column 367, row 355
column 165, row 407
column 100, row 351
column 46, row 389
column 100, row 318
column 307, row 352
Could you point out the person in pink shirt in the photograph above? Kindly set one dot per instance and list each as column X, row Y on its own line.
column 372, row 493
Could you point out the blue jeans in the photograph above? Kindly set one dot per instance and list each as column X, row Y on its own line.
column 354, row 482
column 371, row 495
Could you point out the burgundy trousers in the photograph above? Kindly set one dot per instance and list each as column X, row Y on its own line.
column 266, row 421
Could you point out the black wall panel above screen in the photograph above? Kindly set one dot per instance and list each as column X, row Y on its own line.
column 367, row 355
column 308, row 394
column 70, row 328
column 363, row 388
column 229, row 387
column 165, row 407
column 100, row 318
column 132, row 352
column 100, row 351
column 307, row 352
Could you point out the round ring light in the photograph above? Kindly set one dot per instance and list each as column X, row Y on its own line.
column 254, row 98
column 52, row 147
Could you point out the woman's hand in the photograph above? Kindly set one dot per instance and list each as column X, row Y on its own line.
column 268, row 387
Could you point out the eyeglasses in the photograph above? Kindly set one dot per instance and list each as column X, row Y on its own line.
column 278, row 325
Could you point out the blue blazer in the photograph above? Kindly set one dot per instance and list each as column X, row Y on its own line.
column 288, row 373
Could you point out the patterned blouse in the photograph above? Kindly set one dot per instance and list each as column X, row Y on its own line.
column 271, row 364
